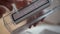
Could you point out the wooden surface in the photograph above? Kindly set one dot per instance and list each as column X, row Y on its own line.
column 3, row 29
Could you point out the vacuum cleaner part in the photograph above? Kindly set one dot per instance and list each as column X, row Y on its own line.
column 29, row 10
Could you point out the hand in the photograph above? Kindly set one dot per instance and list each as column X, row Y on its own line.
column 30, row 19
column 21, row 3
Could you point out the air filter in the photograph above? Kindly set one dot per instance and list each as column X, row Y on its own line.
column 29, row 10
